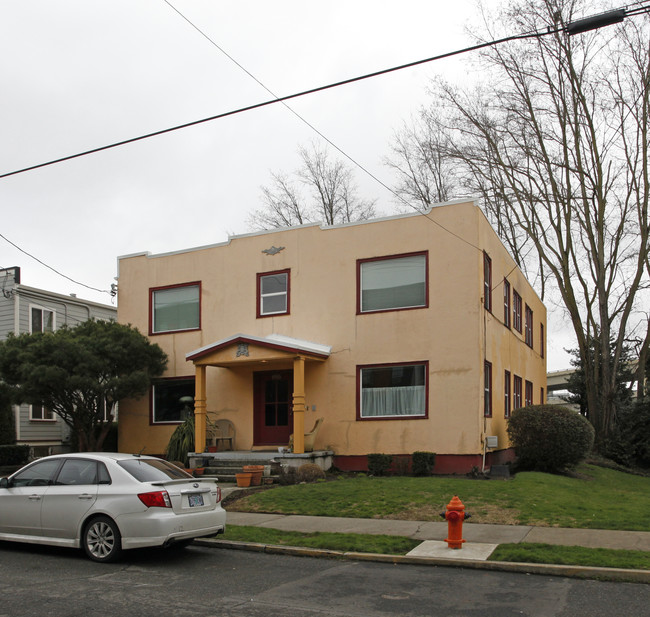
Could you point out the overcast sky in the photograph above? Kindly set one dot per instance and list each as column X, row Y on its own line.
column 80, row 74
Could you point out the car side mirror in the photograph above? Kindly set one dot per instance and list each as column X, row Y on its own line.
column 4, row 482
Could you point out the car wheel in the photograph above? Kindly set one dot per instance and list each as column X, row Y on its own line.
column 102, row 540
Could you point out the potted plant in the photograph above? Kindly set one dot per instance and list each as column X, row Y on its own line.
column 244, row 478
column 181, row 442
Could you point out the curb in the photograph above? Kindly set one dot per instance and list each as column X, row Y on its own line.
column 582, row 572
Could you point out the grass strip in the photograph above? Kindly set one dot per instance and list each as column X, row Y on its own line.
column 571, row 556
column 363, row 543
column 397, row 545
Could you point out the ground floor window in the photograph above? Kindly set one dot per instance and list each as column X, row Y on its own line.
column 392, row 390
column 172, row 400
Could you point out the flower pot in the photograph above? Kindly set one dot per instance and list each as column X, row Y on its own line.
column 244, row 479
column 199, row 471
column 256, row 471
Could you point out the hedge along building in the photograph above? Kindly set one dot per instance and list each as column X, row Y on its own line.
column 408, row 333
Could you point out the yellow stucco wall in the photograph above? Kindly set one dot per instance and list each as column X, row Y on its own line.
column 455, row 334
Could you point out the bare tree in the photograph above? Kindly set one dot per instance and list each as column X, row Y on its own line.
column 426, row 175
column 331, row 195
column 557, row 149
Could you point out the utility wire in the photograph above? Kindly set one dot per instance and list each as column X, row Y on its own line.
column 104, row 291
column 585, row 24
column 318, row 132
column 281, row 99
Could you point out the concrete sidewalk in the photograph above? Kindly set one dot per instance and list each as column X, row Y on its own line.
column 437, row 531
column 481, row 540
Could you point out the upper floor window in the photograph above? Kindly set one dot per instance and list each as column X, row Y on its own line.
column 40, row 412
column 542, row 340
column 273, row 293
column 487, row 389
column 507, row 399
column 516, row 310
column 529, row 392
column 506, row 303
column 487, row 282
column 517, row 392
column 393, row 390
column 42, row 320
column 392, row 283
column 172, row 400
column 176, row 308
column 529, row 326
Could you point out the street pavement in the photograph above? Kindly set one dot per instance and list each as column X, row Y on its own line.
column 480, row 540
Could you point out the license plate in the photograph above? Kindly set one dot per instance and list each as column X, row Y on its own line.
column 195, row 500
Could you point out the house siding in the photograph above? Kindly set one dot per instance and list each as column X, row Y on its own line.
column 15, row 317
column 453, row 333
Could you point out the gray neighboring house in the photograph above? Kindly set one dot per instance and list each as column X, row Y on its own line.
column 27, row 309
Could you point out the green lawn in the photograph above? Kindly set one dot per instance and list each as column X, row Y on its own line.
column 595, row 497
column 362, row 543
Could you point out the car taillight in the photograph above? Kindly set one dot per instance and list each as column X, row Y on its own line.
column 156, row 499
column 218, row 494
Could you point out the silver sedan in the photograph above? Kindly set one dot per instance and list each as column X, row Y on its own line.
column 106, row 503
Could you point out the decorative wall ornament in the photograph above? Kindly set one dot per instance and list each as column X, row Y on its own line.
column 274, row 250
column 242, row 350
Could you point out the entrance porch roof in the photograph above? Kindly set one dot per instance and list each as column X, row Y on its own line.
column 246, row 348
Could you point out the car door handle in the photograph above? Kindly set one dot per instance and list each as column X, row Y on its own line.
column 85, row 496
column 34, row 497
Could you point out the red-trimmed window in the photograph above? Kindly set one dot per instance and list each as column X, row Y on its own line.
column 516, row 310
column 393, row 283
column 487, row 389
column 516, row 392
column 172, row 400
column 397, row 391
column 507, row 396
column 273, row 293
column 175, row 308
column 529, row 393
column 529, row 326
column 506, row 303
column 487, row 281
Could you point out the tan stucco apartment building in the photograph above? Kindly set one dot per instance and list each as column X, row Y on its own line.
column 409, row 333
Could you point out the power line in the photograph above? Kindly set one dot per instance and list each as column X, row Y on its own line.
column 104, row 291
column 288, row 97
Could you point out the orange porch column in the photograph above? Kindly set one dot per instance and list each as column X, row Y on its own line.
column 200, row 407
column 299, row 405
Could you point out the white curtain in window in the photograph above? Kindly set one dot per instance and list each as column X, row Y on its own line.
column 398, row 401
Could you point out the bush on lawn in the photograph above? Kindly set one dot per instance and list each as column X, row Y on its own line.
column 7, row 424
column 549, row 438
column 423, row 463
column 379, row 464
column 310, row 472
column 14, row 455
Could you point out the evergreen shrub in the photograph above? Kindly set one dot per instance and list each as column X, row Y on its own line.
column 549, row 438
column 379, row 464
column 423, row 463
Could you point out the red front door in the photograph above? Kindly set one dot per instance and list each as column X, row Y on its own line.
column 273, row 410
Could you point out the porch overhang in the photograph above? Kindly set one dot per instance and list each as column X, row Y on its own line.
column 246, row 349
column 242, row 350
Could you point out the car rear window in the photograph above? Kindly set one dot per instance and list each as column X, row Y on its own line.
column 152, row 470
